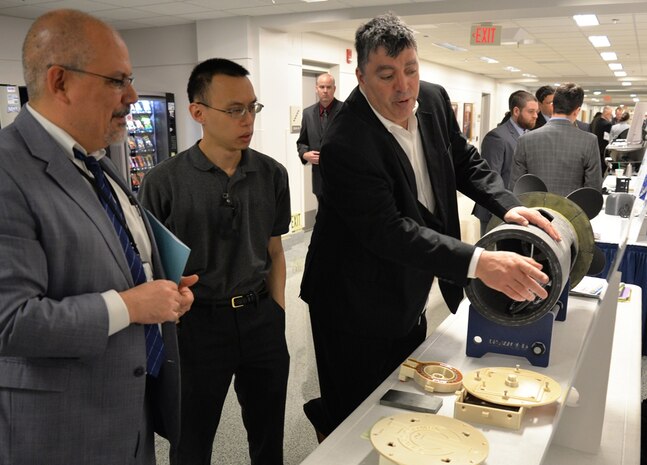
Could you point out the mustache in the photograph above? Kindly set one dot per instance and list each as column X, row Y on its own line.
column 121, row 113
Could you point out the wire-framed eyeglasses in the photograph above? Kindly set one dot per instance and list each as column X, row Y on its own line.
column 115, row 82
column 238, row 112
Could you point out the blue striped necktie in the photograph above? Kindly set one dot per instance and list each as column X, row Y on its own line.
column 154, row 343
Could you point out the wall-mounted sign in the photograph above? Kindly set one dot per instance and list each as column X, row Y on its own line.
column 485, row 34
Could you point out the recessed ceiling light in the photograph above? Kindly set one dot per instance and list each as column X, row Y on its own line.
column 615, row 66
column 626, row 83
column 600, row 41
column 636, row 99
column 609, row 56
column 586, row 20
column 448, row 46
column 620, row 73
column 512, row 69
column 528, row 75
column 597, row 92
column 488, row 60
column 632, row 95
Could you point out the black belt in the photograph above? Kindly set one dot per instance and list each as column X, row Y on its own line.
column 240, row 300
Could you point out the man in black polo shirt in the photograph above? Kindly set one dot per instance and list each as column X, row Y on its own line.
column 230, row 205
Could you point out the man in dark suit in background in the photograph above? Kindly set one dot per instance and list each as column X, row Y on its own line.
column 563, row 156
column 602, row 130
column 545, row 99
column 81, row 282
column 391, row 163
column 498, row 145
column 314, row 121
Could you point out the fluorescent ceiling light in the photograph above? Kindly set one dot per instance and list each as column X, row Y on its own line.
column 615, row 66
column 597, row 92
column 609, row 56
column 636, row 100
column 632, row 95
column 448, row 46
column 528, row 75
column 620, row 73
column 488, row 60
column 313, row 1
column 586, row 20
column 626, row 83
column 512, row 69
column 600, row 41
column 595, row 100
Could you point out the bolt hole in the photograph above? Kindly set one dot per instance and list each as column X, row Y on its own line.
column 478, row 339
column 391, row 444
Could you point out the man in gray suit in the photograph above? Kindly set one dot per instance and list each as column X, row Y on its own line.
column 499, row 144
column 75, row 383
column 563, row 156
column 313, row 127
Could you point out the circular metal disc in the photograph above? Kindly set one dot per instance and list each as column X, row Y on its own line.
column 514, row 387
column 529, row 183
column 425, row 439
column 588, row 199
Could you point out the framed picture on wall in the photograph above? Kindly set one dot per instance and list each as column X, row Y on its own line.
column 467, row 120
column 455, row 108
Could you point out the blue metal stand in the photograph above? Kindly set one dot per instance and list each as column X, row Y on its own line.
column 531, row 341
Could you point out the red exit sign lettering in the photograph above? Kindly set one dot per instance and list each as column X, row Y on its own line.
column 485, row 34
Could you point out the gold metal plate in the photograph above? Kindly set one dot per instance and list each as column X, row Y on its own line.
column 425, row 439
column 514, row 387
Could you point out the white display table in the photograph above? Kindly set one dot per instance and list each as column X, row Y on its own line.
column 573, row 360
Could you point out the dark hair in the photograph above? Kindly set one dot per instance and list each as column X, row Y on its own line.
column 386, row 31
column 624, row 117
column 543, row 92
column 568, row 97
column 519, row 99
column 201, row 76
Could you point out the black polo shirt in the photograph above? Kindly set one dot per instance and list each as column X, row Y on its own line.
column 227, row 222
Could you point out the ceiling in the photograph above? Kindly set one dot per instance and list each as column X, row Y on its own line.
column 541, row 42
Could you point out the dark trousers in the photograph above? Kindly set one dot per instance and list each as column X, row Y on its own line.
column 350, row 368
column 249, row 344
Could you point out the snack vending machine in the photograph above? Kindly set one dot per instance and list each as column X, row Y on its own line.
column 151, row 137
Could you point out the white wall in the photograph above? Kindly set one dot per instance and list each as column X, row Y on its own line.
column 162, row 60
column 12, row 35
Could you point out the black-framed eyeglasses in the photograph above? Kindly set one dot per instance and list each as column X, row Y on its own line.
column 117, row 83
column 238, row 112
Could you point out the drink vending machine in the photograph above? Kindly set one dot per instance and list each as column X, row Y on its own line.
column 151, row 137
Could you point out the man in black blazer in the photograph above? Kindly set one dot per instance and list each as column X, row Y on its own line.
column 391, row 163
column 314, row 121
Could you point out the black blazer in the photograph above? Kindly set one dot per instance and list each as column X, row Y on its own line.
column 311, row 136
column 375, row 249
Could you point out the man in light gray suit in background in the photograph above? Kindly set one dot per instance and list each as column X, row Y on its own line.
column 563, row 156
column 498, row 145
column 76, row 386
column 313, row 127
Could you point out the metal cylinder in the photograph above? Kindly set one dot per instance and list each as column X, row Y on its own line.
column 557, row 260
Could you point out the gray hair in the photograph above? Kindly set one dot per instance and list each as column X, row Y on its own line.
column 386, row 31
column 56, row 38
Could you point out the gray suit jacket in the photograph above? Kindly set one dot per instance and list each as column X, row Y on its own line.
column 563, row 156
column 311, row 136
column 68, row 392
column 497, row 149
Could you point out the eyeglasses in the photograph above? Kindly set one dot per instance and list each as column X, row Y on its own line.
column 238, row 112
column 117, row 83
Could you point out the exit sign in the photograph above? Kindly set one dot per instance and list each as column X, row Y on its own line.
column 485, row 34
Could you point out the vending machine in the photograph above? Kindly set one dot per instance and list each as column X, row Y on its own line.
column 151, row 137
